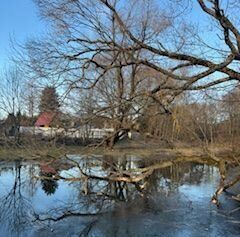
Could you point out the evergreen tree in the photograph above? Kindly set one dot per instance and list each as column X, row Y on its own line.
column 49, row 101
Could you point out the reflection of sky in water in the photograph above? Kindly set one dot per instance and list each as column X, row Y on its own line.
column 204, row 189
column 63, row 195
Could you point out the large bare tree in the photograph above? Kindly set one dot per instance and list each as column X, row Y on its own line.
column 111, row 45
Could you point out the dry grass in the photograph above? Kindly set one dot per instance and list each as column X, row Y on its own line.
column 45, row 150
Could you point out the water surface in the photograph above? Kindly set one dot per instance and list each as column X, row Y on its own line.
column 175, row 201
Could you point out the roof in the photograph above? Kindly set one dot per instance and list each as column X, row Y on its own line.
column 44, row 119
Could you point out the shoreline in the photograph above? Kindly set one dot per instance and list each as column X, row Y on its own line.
column 45, row 151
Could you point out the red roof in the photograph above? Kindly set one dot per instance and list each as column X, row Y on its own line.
column 44, row 119
column 46, row 169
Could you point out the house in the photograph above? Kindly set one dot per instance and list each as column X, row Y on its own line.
column 45, row 119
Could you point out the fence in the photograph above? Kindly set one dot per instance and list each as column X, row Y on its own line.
column 83, row 132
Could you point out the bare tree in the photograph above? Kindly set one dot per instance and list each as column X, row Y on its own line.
column 109, row 45
column 11, row 90
column 11, row 101
column 92, row 54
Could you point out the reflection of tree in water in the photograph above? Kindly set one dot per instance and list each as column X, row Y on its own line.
column 169, row 179
column 114, row 190
column 165, row 176
column 102, row 183
column 49, row 186
column 118, row 190
column 16, row 210
column 95, row 197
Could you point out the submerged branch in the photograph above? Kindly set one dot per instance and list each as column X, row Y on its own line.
column 65, row 215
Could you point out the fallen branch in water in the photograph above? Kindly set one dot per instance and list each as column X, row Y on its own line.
column 237, row 198
column 224, row 187
column 131, row 179
column 165, row 164
column 234, row 210
column 133, row 176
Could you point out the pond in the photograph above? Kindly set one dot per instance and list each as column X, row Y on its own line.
column 67, row 198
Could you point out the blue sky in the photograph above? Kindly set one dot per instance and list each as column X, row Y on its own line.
column 18, row 19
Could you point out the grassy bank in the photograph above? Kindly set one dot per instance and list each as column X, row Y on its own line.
column 45, row 151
